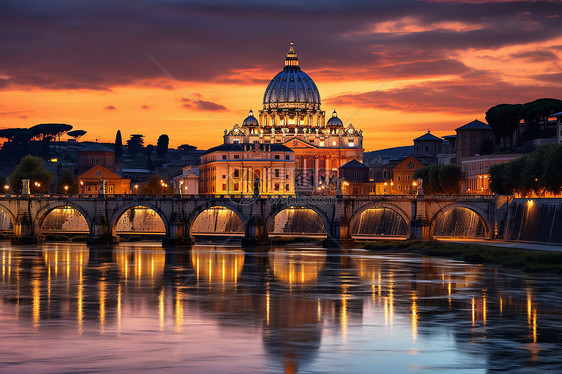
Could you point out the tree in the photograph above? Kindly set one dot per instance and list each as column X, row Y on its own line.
column 135, row 144
column 162, row 145
column 155, row 185
column 536, row 113
column 67, row 179
column 440, row 179
column 31, row 167
column 118, row 145
column 76, row 134
column 148, row 153
column 504, row 121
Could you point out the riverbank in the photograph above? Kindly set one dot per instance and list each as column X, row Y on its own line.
column 529, row 261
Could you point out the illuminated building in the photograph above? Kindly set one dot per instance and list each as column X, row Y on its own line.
column 234, row 169
column 89, row 182
column 476, row 171
column 95, row 154
column 292, row 116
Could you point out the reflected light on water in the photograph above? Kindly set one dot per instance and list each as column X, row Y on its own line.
column 161, row 309
column 296, row 267
column 217, row 265
column 36, row 284
column 414, row 309
column 343, row 311
column 179, row 310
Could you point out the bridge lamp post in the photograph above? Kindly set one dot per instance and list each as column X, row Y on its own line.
column 136, row 189
column 6, row 188
column 65, row 189
column 414, row 186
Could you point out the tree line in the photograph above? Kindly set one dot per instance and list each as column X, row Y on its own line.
column 537, row 172
column 504, row 119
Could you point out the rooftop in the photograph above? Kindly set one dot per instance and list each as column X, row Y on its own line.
column 475, row 125
column 428, row 136
column 353, row 164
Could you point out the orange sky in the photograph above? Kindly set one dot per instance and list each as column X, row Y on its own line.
column 394, row 78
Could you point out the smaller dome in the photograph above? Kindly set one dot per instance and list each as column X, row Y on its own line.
column 251, row 121
column 334, row 121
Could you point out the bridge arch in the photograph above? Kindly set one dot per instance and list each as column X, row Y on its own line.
column 269, row 224
column 380, row 205
column 44, row 212
column 10, row 215
column 196, row 213
column 471, row 207
column 114, row 219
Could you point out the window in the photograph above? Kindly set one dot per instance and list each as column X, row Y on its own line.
column 276, row 173
column 321, row 143
column 287, row 176
column 427, row 148
column 333, row 142
column 287, row 157
column 236, row 157
column 398, row 177
column 277, row 157
column 287, row 187
column 223, row 176
column 224, row 186
column 351, row 142
column 276, row 186
column 236, row 186
column 236, row 173
column 408, row 177
column 355, row 191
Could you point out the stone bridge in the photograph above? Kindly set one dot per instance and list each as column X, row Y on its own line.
column 178, row 212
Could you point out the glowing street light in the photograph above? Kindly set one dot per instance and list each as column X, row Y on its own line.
column 136, row 188
column 65, row 189
column 6, row 187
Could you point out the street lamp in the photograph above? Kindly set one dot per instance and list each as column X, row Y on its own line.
column 136, row 188
column 6, row 188
column 65, row 189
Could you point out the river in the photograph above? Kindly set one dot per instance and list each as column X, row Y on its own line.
column 67, row 307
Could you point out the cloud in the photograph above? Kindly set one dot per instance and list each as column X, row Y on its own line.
column 98, row 45
column 110, row 107
column 460, row 96
column 146, row 107
column 536, row 56
column 201, row 105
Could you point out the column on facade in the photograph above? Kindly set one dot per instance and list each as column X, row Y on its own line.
column 304, row 172
column 316, row 167
column 270, row 179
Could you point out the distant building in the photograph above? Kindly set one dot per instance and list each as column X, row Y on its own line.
column 355, row 179
column 476, row 171
column 89, row 182
column 188, row 182
column 234, row 169
column 428, row 144
column 403, row 181
column 448, row 155
column 472, row 139
column 95, row 154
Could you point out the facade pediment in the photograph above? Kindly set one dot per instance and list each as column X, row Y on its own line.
column 298, row 143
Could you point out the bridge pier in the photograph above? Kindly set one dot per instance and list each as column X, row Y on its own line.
column 339, row 235
column 256, row 233
column 177, row 233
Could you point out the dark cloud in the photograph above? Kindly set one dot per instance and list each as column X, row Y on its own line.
column 536, row 56
column 110, row 107
column 201, row 105
column 145, row 107
column 555, row 78
column 461, row 96
column 101, row 44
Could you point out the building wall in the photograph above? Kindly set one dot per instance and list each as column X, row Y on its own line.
column 469, row 142
column 476, row 171
column 234, row 173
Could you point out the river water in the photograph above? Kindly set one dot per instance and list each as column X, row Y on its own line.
column 136, row 308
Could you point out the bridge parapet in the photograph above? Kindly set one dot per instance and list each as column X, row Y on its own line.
column 178, row 212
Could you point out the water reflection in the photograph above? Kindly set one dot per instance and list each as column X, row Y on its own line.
column 289, row 310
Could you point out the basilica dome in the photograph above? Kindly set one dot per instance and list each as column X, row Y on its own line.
column 291, row 87
column 334, row 121
column 251, row 121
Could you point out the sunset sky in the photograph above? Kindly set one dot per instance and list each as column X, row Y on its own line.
column 392, row 68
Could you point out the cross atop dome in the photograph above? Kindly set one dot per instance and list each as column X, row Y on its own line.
column 291, row 61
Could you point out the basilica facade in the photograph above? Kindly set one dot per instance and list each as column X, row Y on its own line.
column 292, row 116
